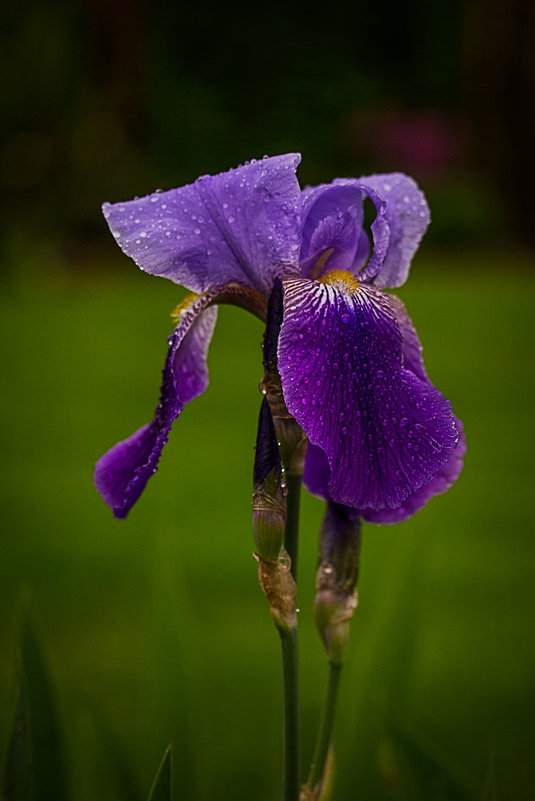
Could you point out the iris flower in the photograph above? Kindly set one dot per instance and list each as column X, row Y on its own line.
column 382, row 438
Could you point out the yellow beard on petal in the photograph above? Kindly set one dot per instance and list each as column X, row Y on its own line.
column 341, row 279
column 188, row 301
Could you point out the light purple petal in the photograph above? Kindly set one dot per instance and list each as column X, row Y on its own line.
column 385, row 431
column 332, row 218
column 240, row 226
column 343, row 200
column 122, row 473
column 407, row 214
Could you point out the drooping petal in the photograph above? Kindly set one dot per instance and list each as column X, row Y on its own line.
column 240, row 226
column 317, row 473
column 385, row 431
column 122, row 473
column 407, row 215
column 441, row 482
column 317, row 476
column 412, row 350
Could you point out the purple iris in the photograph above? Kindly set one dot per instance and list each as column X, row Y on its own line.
column 382, row 439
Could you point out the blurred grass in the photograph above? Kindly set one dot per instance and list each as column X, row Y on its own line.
column 155, row 628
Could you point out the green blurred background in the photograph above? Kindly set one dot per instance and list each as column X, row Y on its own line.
column 154, row 629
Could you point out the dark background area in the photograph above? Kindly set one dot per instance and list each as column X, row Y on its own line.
column 154, row 629
column 109, row 100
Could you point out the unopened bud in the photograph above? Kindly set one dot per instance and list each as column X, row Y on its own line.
column 269, row 501
column 269, row 516
column 336, row 598
column 279, row 587
column 290, row 436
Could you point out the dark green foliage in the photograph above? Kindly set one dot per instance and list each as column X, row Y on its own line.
column 17, row 779
column 162, row 788
column 34, row 765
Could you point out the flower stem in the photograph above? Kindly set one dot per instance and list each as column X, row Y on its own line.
column 291, row 763
column 291, row 533
column 324, row 734
column 291, row 767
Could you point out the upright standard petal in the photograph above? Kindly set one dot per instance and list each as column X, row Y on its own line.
column 407, row 215
column 122, row 473
column 240, row 226
column 332, row 219
column 385, row 431
column 328, row 212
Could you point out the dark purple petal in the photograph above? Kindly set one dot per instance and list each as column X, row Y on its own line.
column 273, row 325
column 385, row 431
column 317, row 473
column 443, row 480
column 240, row 226
column 122, row 473
column 440, row 482
column 267, row 456
column 412, row 350
column 407, row 215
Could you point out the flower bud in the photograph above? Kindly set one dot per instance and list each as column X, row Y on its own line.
column 290, row 436
column 279, row 587
column 269, row 501
column 336, row 598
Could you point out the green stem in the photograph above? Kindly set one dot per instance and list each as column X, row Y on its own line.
column 291, row 767
column 326, row 726
column 291, row 763
column 291, row 532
